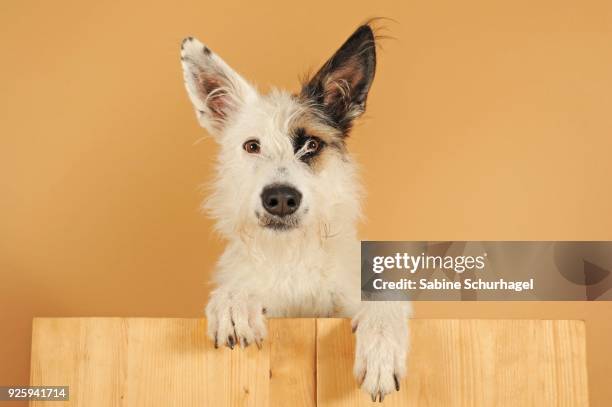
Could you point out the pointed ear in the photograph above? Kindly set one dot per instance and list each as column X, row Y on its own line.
column 341, row 86
column 216, row 91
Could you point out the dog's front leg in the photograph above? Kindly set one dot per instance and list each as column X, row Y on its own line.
column 382, row 345
column 235, row 317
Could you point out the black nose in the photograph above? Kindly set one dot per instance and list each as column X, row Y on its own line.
column 281, row 200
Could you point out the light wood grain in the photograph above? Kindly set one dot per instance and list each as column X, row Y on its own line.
column 89, row 355
column 146, row 362
column 292, row 362
column 467, row 363
column 306, row 362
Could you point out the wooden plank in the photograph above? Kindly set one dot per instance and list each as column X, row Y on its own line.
column 292, row 362
column 467, row 363
column 89, row 355
column 172, row 362
column 168, row 362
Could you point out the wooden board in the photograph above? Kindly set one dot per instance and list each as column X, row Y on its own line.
column 467, row 363
column 306, row 362
column 170, row 362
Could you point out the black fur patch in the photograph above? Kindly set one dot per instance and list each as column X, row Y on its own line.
column 300, row 138
column 186, row 40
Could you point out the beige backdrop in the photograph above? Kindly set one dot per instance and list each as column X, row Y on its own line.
column 487, row 120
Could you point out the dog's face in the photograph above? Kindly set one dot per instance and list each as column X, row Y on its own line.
column 283, row 165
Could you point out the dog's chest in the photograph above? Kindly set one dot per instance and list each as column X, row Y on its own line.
column 299, row 290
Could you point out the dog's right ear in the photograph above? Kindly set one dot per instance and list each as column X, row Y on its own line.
column 216, row 90
column 341, row 86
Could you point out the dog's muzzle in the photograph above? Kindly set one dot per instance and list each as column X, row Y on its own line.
column 280, row 200
column 281, row 203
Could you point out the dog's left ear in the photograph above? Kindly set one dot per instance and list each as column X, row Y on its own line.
column 341, row 86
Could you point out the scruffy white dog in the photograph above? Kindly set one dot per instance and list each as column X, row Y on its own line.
column 286, row 198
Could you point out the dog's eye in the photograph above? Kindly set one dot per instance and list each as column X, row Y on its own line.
column 252, row 147
column 312, row 145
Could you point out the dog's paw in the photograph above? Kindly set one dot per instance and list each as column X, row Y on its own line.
column 235, row 320
column 380, row 359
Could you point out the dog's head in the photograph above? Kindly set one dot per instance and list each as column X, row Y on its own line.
column 283, row 164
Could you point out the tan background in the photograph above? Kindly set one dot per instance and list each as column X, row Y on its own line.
column 487, row 120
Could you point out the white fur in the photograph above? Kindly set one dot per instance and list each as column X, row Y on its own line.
column 312, row 270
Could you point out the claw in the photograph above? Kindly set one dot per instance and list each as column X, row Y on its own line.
column 245, row 343
column 216, row 342
column 374, row 397
column 381, row 397
column 354, row 328
column 230, row 342
column 258, row 343
column 397, row 384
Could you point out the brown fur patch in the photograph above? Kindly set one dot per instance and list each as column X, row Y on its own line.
column 310, row 124
column 316, row 124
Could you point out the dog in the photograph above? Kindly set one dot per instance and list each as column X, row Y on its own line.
column 286, row 197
